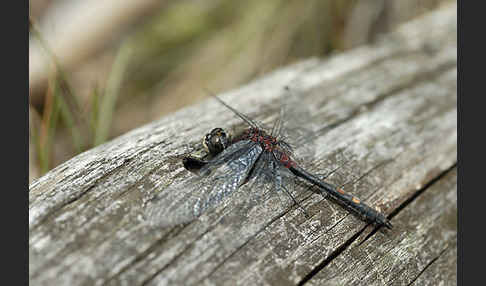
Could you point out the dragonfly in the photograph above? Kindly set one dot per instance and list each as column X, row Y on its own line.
column 253, row 155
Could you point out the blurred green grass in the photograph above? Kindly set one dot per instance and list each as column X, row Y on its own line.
column 166, row 62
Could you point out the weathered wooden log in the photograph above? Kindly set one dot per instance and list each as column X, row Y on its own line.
column 384, row 123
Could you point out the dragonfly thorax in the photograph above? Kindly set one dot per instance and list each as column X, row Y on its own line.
column 270, row 143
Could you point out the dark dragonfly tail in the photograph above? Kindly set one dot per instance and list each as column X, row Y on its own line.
column 367, row 213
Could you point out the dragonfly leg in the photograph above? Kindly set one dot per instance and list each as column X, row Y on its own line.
column 295, row 201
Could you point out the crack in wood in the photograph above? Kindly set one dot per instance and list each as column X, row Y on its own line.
column 161, row 241
column 421, row 190
column 333, row 255
column 412, row 198
column 347, row 243
column 417, row 79
column 381, row 164
column 174, row 259
column 77, row 196
column 94, row 184
column 241, row 246
column 429, row 264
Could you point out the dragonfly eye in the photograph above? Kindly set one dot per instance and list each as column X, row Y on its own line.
column 216, row 141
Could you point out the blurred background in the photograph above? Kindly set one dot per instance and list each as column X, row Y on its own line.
column 98, row 69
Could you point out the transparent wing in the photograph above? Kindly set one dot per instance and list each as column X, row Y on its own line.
column 284, row 184
column 259, row 182
column 295, row 127
column 268, row 181
column 186, row 201
column 233, row 151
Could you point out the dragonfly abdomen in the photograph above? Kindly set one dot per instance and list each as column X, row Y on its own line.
column 367, row 213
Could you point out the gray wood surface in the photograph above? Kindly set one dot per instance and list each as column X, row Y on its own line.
column 384, row 123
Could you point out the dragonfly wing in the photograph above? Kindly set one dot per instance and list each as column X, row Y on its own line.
column 284, row 183
column 270, row 179
column 186, row 201
column 295, row 127
column 235, row 150
column 261, row 177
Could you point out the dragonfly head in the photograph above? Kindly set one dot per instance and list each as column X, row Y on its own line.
column 216, row 141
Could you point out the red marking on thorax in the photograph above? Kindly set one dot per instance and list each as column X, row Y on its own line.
column 270, row 144
column 284, row 159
